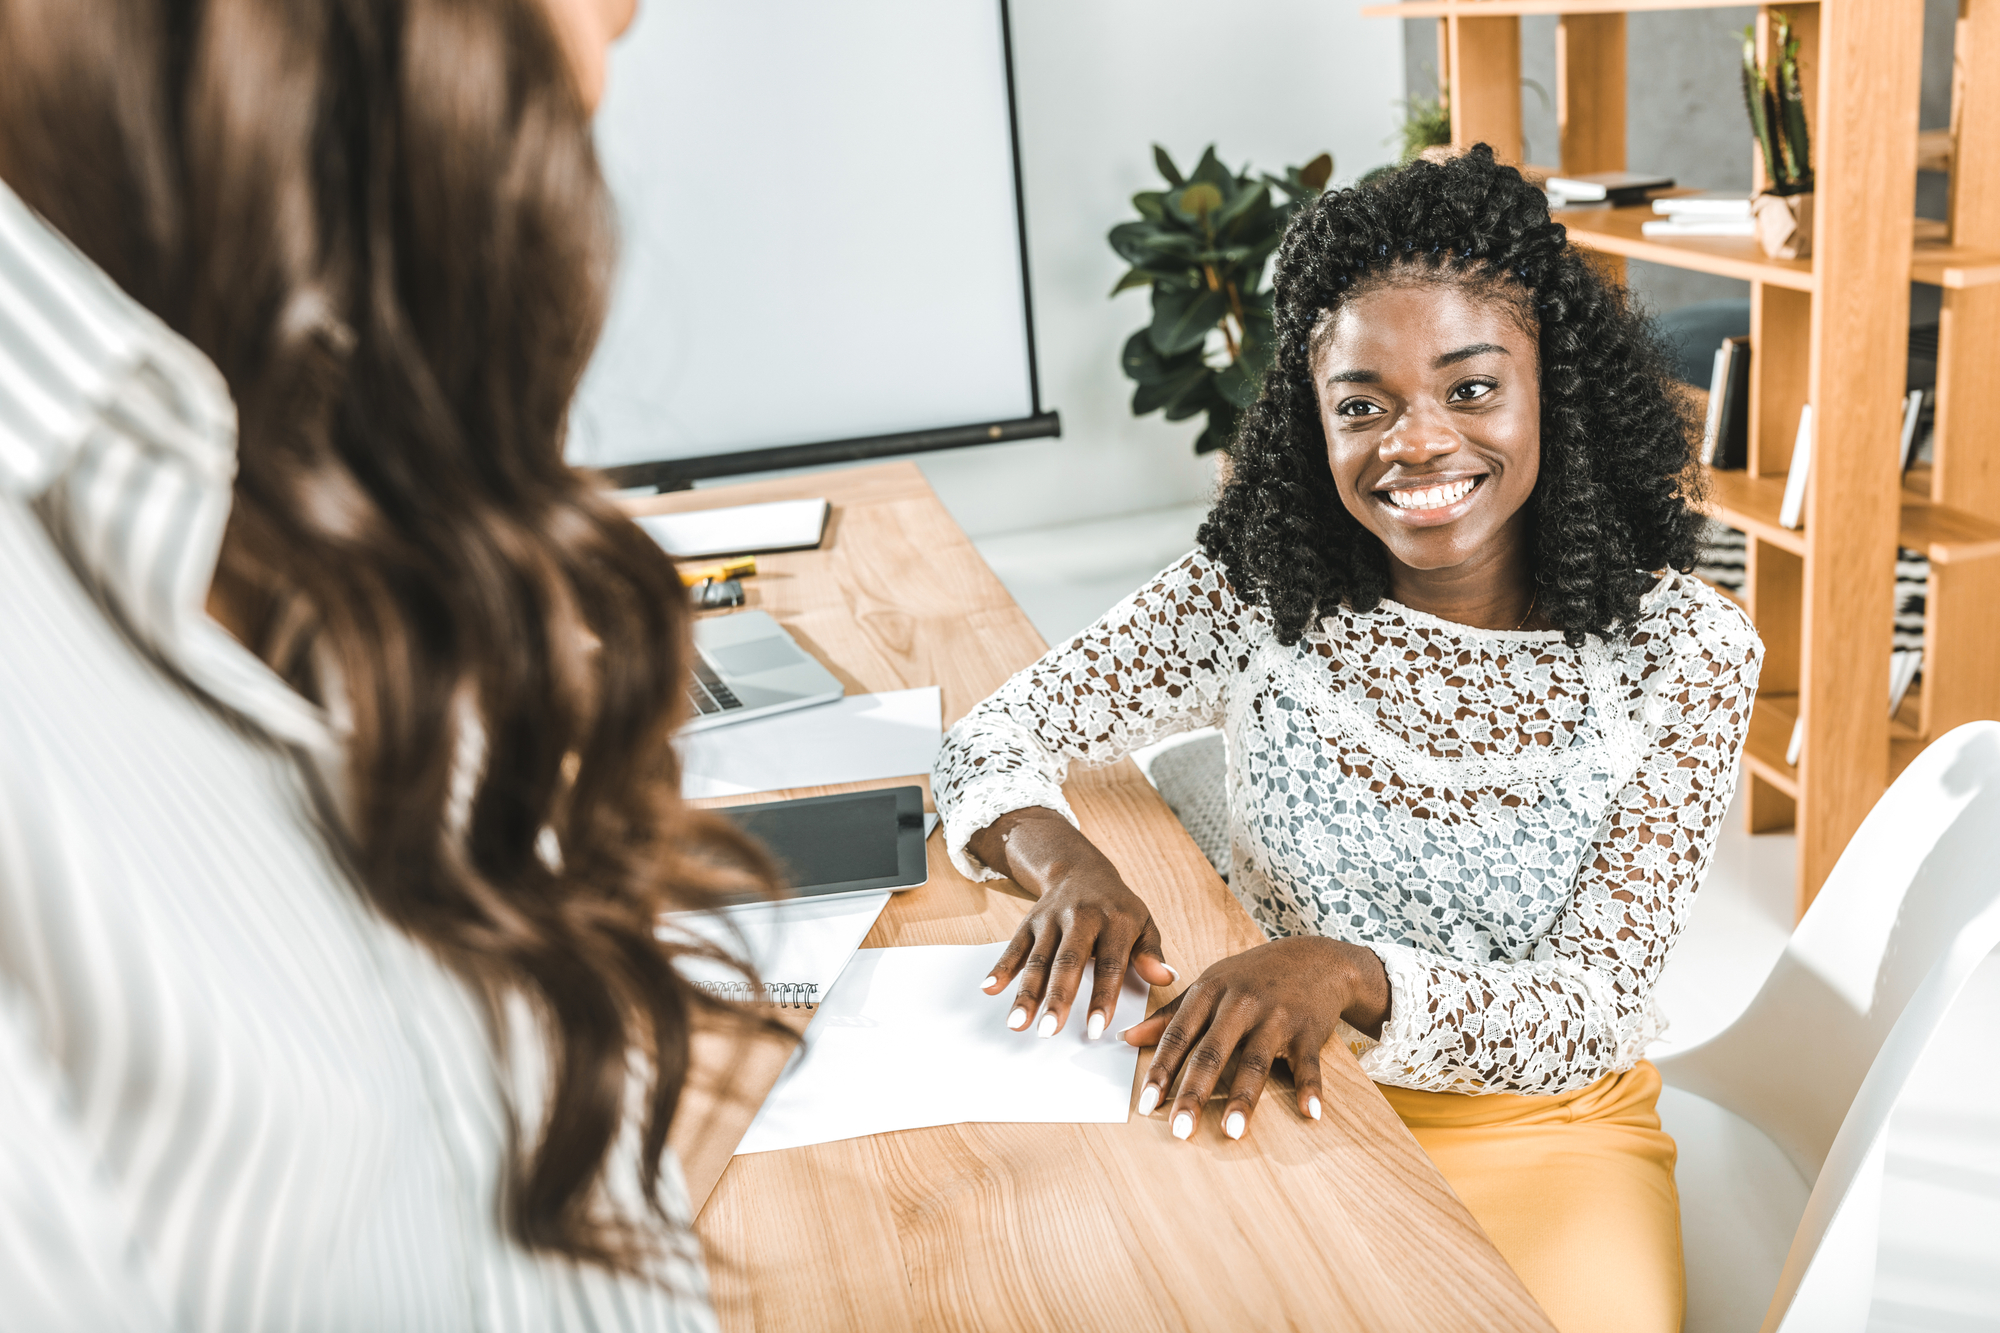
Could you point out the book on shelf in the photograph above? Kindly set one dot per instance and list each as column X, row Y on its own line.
column 1793, row 511
column 1714, row 205
column 1666, row 229
column 1913, row 411
column 1725, row 440
column 1904, row 664
column 1616, row 188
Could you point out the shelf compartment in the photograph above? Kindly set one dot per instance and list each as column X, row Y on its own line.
column 1770, row 736
column 1940, row 533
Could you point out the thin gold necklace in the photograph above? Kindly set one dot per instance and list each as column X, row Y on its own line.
column 1531, row 608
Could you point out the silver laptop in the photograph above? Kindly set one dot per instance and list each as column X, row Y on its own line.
column 746, row 666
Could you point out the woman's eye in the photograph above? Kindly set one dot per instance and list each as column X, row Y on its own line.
column 1472, row 391
column 1357, row 407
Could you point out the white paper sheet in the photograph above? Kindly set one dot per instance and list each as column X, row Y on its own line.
column 856, row 739
column 804, row 944
column 781, row 525
column 907, row 1039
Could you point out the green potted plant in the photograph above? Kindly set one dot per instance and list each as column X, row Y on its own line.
column 1201, row 244
column 1784, row 211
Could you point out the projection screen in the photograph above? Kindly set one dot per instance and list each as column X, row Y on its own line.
column 821, row 239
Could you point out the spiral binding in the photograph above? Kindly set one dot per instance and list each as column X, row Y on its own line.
column 792, row 994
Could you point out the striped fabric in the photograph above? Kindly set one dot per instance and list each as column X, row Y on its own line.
column 230, row 1096
column 1722, row 558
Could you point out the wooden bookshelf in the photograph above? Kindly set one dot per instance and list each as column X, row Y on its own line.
column 1826, row 330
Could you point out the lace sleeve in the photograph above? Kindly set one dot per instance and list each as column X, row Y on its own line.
column 1581, row 1006
column 1156, row 664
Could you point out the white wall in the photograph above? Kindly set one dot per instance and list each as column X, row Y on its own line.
column 1270, row 82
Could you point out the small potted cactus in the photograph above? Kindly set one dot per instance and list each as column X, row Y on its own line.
column 1784, row 211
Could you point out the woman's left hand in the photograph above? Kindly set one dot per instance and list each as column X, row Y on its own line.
column 1278, row 1000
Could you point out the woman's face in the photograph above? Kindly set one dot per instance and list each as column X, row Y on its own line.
column 587, row 29
column 1430, row 396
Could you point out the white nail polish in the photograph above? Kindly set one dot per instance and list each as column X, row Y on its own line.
column 1171, row 970
column 1183, row 1125
column 989, row 983
column 1048, row 1027
column 1233, row 1126
column 1018, row 1019
column 1312, row 1107
column 1095, row 1027
column 1149, row 1097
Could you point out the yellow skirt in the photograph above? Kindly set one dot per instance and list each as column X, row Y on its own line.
column 1576, row 1191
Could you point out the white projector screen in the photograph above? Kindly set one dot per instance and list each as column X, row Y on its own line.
column 821, row 248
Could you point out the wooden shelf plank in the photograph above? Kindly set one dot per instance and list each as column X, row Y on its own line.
column 1770, row 736
column 1954, row 266
column 1431, row 9
column 1946, row 535
column 1940, row 533
column 1751, row 506
column 1617, row 231
column 1907, row 722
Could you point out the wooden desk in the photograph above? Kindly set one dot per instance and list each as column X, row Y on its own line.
column 1341, row 1224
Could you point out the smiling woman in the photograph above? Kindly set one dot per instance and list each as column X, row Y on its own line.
column 1480, row 731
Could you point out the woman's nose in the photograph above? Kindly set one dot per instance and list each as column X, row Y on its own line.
column 1419, row 436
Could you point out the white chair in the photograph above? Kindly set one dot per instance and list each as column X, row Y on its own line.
column 1191, row 771
column 1782, row 1119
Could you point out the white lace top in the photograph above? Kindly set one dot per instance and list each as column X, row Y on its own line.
column 1516, row 827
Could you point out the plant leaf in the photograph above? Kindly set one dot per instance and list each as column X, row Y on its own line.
column 1150, row 245
column 1152, row 204
column 1182, row 317
column 1221, row 429
column 1146, row 366
column 1246, row 199
column 1315, row 174
column 1134, row 277
column 1167, row 168
column 1211, row 170
column 1238, row 383
column 1196, row 202
column 1199, row 396
column 1172, row 391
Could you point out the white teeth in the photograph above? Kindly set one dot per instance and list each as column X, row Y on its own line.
column 1437, row 497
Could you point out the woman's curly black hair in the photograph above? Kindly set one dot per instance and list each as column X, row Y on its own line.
column 1614, row 501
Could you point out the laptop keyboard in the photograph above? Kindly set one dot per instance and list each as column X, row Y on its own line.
column 707, row 692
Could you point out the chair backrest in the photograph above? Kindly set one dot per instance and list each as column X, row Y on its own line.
column 1820, row 1056
column 1922, row 869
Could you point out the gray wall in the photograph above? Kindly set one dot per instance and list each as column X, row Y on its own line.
column 1685, row 113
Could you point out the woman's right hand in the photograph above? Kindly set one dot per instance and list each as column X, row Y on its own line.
column 1084, row 916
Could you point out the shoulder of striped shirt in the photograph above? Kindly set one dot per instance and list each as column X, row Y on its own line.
column 83, row 366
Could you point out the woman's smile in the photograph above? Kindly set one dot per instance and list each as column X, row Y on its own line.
column 1430, row 501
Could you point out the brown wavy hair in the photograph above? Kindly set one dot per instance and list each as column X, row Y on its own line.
column 383, row 220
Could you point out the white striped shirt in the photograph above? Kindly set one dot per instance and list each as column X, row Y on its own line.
column 231, row 1096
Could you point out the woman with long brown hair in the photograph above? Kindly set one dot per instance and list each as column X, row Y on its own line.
column 337, row 806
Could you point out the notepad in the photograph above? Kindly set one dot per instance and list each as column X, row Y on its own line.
column 863, row 737
column 798, row 949
column 781, row 525
column 907, row 1039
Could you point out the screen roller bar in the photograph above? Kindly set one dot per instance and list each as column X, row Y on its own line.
column 678, row 474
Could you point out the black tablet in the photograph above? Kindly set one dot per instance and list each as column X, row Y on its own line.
column 856, row 842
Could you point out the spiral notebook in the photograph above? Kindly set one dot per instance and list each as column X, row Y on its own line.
column 798, row 948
